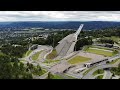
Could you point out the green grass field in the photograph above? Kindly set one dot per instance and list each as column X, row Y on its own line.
column 102, row 52
column 51, row 61
column 104, row 48
column 27, row 53
column 52, row 55
column 56, row 77
column 36, row 55
column 78, row 59
column 99, row 71
column 85, row 48
column 71, row 77
column 22, row 60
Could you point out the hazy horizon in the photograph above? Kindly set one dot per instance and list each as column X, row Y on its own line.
column 13, row 16
column 59, row 21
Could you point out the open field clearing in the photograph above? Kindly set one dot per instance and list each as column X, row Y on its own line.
column 27, row 53
column 36, row 55
column 78, row 59
column 52, row 55
column 50, row 61
column 101, row 50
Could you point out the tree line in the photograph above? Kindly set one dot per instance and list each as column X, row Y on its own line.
column 12, row 68
column 55, row 37
column 15, row 51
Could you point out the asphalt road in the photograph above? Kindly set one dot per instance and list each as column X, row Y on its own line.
column 107, row 74
column 45, row 49
column 89, row 74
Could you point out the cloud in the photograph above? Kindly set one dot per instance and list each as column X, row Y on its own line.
column 59, row 15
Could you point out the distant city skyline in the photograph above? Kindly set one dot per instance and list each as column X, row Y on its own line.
column 59, row 16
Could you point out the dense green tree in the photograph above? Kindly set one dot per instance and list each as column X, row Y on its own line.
column 10, row 50
column 81, row 42
column 116, row 70
column 11, row 68
column 39, row 68
column 104, row 40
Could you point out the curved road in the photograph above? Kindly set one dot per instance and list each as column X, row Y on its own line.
column 45, row 49
column 89, row 74
column 107, row 75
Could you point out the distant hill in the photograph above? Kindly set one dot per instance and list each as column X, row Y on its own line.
column 5, row 23
column 88, row 25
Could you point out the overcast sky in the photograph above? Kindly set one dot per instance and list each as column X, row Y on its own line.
column 59, row 16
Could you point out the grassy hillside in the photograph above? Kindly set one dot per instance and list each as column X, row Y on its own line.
column 52, row 55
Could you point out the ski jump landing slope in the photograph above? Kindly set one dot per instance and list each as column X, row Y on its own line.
column 66, row 45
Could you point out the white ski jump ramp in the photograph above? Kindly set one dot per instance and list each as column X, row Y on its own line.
column 66, row 45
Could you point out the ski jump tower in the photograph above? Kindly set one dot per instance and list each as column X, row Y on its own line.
column 67, row 44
